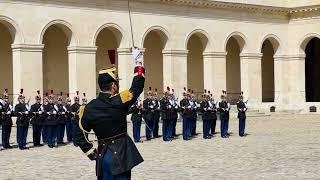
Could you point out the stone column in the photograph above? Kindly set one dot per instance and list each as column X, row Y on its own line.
column 175, row 70
column 214, row 72
column 280, row 81
column 27, row 70
column 251, row 77
column 82, row 70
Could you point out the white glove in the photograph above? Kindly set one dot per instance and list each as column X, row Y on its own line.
column 189, row 107
column 63, row 113
column 40, row 112
column 26, row 112
column 9, row 112
column 54, row 112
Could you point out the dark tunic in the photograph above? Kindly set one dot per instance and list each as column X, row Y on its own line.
column 50, row 118
column 22, row 118
column 6, row 118
column 62, row 114
column 37, row 119
column 186, row 111
column 241, row 106
column 106, row 116
column 165, row 109
column 136, row 113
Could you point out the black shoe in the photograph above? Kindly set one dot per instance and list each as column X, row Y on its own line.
column 225, row 136
column 8, row 147
column 21, row 148
column 50, row 146
column 139, row 141
column 25, row 148
column 207, row 137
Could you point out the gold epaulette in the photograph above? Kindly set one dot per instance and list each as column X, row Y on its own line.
column 126, row 96
column 81, row 111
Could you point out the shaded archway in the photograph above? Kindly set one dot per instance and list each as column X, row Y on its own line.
column 154, row 43
column 108, row 38
column 56, row 40
column 268, row 50
column 234, row 47
column 6, row 65
column 196, row 45
column 312, row 70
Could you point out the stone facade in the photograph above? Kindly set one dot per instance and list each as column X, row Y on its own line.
column 257, row 47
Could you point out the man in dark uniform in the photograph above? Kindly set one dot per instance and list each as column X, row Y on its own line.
column 214, row 115
column 195, row 105
column 74, row 114
column 44, row 116
column 68, row 119
column 223, row 109
column 50, row 110
column 227, row 112
column 206, row 110
column 6, row 113
column 156, row 114
column 186, row 115
column 106, row 115
column 37, row 120
column 22, row 112
column 61, row 120
column 242, row 108
column 136, row 118
column 174, row 113
column 149, row 106
column 166, row 116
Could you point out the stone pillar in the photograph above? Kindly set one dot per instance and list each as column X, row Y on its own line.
column 27, row 70
column 175, row 70
column 82, row 71
column 280, row 81
column 251, row 77
column 214, row 72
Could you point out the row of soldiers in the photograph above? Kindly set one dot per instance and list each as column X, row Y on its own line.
column 49, row 120
column 168, row 108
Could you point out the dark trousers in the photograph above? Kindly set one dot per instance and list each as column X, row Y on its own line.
column 213, row 126
column 69, row 129
column 156, row 127
column 136, row 127
column 22, row 133
column 206, row 127
column 186, row 127
column 6, row 131
column 194, row 126
column 174, row 126
column 44, row 134
column 223, row 126
column 242, row 126
column 227, row 123
column 60, row 133
column 149, row 125
column 51, row 134
column 167, row 129
column 36, row 134
column 106, row 173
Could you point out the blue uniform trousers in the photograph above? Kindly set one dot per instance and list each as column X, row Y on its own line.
column 136, row 130
column 223, row 125
column 106, row 173
column 60, row 133
column 186, row 127
column 44, row 134
column 6, row 131
column 242, row 126
column 174, row 126
column 213, row 126
column 36, row 134
column 22, row 133
column 149, row 126
column 69, row 129
column 52, row 134
column 206, row 127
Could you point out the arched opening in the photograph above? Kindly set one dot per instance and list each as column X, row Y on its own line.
column 56, row 39
column 233, row 70
column 312, row 70
column 108, row 38
column 196, row 46
column 154, row 43
column 267, row 69
column 6, row 68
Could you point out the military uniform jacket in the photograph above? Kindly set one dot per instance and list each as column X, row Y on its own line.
column 241, row 109
column 6, row 118
column 74, row 109
column 136, row 113
column 149, row 106
column 37, row 119
column 157, row 110
column 22, row 118
column 68, row 113
column 106, row 116
column 62, row 114
column 185, row 106
column 165, row 109
column 50, row 119
column 194, row 109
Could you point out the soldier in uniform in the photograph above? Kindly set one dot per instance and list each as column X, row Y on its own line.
column 214, row 115
column 241, row 115
column 186, row 115
column 223, row 109
column 149, row 106
column 174, row 113
column 227, row 112
column 166, row 108
column 74, row 114
column 206, row 110
column 22, row 112
column 84, row 99
column 45, row 116
column 37, row 120
column 61, row 119
column 156, row 114
column 195, row 105
column 136, row 118
column 6, row 110
column 68, row 119
column 106, row 115
column 51, row 110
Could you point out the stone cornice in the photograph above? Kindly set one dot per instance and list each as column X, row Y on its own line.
column 251, row 55
column 82, row 49
column 214, row 54
column 175, row 52
column 294, row 57
column 27, row 47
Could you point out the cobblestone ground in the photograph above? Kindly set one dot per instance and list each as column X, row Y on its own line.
column 277, row 147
